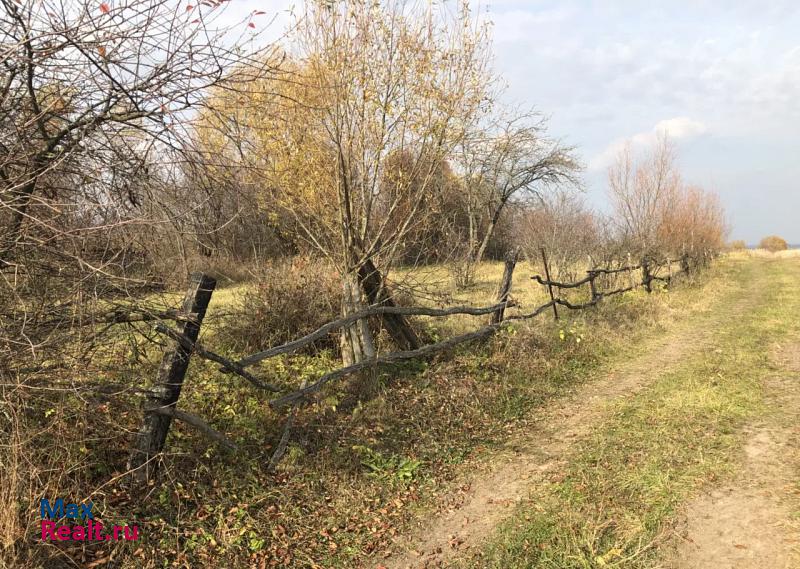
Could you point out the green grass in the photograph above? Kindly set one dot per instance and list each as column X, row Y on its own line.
column 623, row 484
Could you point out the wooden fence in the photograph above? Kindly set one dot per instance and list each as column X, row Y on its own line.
column 162, row 399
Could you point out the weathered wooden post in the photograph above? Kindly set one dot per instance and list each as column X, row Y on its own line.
column 592, row 286
column 505, row 286
column 646, row 276
column 167, row 389
column 685, row 263
column 631, row 280
column 549, row 284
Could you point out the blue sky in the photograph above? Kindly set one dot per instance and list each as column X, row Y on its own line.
column 722, row 77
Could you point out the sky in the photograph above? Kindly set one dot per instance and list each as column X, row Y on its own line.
column 721, row 77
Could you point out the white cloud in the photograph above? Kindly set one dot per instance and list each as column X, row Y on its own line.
column 680, row 127
column 677, row 128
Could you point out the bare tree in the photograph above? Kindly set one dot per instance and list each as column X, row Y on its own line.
column 96, row 100
column 641, row 192
column 510, row 159
column 89, row 93
column 561, row 223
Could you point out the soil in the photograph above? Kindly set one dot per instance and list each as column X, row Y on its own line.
column 754, row 520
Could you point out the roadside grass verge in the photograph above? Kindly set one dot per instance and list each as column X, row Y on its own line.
column 613, row 502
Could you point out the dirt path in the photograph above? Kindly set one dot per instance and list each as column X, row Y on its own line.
column 478, row 508
column 754, row 521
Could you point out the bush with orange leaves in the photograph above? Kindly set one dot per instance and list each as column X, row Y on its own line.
column 655, row 213
column 694, row 222
column 773, row 243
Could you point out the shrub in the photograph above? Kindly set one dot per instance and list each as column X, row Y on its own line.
column 738, row 245
column 774, row 243
column 290, row 298
column 562, row 223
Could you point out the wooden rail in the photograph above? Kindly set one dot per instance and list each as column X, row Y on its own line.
column 164, row 398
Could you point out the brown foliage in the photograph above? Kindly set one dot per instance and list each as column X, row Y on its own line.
column 774, row 243
column 694, row 222
column 656, row 213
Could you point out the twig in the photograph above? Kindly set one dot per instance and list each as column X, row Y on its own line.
column 196, row 422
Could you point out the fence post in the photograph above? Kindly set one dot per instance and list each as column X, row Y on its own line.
column 505, row 286
column 685, row 263
column 646, row 277
column 592, row 286
column 549, row 285
column 631, row 280
column 167, row 389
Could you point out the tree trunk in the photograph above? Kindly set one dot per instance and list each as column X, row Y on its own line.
column 397, row 325
column 478, row 257
column 356, row 339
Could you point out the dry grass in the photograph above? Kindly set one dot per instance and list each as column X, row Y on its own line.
column 764, row 254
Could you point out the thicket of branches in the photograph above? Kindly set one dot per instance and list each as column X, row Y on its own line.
column 655, row 212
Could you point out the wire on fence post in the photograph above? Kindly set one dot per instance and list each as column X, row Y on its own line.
column 549, row 283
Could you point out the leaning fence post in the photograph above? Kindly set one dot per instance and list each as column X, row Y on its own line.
column 505, row 287
column 167, row 389
column 646, row 277
column 549, row 283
